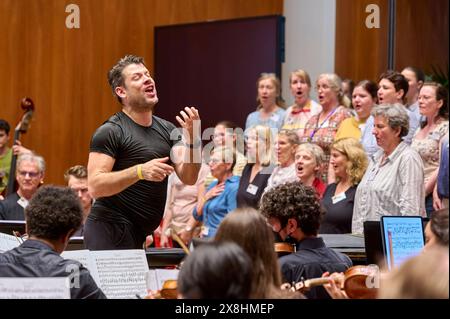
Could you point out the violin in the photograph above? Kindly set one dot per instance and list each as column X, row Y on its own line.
column 22, row 127
column 284, row 248
column 356, row 282
column 168, row 291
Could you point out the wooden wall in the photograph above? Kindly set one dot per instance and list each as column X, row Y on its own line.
column 421, row 37
column 64, row 70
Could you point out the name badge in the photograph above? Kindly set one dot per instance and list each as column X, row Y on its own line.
column 339, row 197
column 204, row 230
column 252, row 189
column 22, row 202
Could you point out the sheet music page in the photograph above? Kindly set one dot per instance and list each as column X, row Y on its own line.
column 121, row 273
column 35, row 288
column 152, row 282
column 8, row 242
column 157, row 277
column 404, row 239
column 85, row 258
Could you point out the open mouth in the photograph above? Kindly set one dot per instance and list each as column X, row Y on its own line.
column 149, row 90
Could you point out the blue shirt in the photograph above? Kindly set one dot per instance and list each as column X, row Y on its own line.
column 218, row 207
column 442, row 180
column 368, row 140
column 275, row 121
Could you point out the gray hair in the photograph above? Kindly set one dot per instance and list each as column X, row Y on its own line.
column 31, row 157
column 396, row 116
column 315, row 150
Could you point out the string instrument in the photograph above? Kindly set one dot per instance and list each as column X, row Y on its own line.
column 284, row 248
column 168, row 291
column 169, row 288
column 354, row 283
column 28, row 106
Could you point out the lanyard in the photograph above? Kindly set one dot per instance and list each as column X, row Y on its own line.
column 318, row 127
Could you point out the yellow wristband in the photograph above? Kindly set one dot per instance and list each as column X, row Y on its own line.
column 139, row 171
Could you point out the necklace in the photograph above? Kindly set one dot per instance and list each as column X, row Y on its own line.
column 318, row 127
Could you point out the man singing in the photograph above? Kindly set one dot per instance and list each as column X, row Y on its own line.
column 129, row 161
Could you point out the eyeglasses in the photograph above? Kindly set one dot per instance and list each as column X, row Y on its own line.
column 31, row 174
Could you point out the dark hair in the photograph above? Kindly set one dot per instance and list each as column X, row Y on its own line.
column 4, row 125
column 294, row 200
column 370, row 87
column 420, row 76
column 351, row 84
column 441, row 95
column 78, row 171
column 216, row 271
column 399, row 81
column 248, row 228
column 53, row 212
column 439, row 225
column 115, row 76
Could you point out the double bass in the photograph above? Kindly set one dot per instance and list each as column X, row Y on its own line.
column 28, row 106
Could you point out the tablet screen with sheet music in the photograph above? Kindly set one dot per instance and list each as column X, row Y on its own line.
column 403, row 238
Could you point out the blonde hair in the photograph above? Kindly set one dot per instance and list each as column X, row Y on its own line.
column 265, row 152
column 335, row 83
column 357, row 159
column 246, row 227
column 302, row 74
column 276, row 82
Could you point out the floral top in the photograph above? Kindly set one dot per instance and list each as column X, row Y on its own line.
column 428, row 148
column 323, row 133
column 296, row 119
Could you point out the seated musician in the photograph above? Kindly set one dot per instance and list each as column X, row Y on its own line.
column 76, row 178
column 294, row 212
column 6, row 154
column 53, row 215
column 30, row 175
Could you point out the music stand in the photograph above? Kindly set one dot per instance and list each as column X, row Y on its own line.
column 76, row 243
column 373, row 243
column 8, row 226
column 164, row 257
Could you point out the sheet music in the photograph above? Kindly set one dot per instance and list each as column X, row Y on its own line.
column 83, row 256
column 8, row 242
column 121, row 274
column 404, row 239
column 34, row 288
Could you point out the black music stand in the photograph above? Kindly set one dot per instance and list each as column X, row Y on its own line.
column 8, row 226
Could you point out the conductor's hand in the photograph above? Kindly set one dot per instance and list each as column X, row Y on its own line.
column 190, row 122
column 156, row 170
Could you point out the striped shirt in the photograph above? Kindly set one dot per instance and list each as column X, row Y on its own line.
column 393, row 188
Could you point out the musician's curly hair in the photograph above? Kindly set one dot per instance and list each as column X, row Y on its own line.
column 294, row 200
column 53, row 212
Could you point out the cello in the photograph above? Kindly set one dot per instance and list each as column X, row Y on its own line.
column 28, row 106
